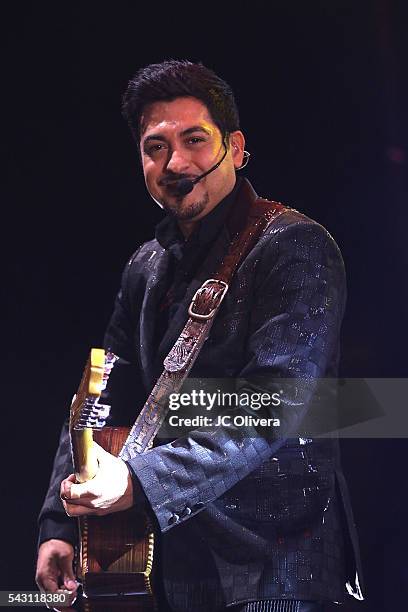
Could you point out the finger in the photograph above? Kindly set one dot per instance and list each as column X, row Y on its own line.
column 67, row 574
column 78, row 509
column 77, row 492
column 67, row 491
column 48, row 583
column 70, row 599
column 66, row 485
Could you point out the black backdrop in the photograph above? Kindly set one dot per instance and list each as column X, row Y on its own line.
column 322, row 92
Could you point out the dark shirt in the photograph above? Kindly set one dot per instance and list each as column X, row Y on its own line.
column 186, row 256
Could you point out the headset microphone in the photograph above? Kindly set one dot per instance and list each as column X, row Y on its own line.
column 184, row 186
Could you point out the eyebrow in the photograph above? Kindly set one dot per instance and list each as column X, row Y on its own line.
column 195, row 128
column 190, row 130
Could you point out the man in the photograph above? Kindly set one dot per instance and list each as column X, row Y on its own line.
column 247, row 520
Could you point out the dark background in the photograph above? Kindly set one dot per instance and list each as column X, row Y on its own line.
column 322, row 92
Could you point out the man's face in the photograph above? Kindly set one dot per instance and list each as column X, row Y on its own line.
column 180, row 140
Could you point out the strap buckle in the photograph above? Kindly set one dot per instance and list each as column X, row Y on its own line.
column 217, row 297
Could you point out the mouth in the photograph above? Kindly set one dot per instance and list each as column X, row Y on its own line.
column 172, row 183
column 171, row 189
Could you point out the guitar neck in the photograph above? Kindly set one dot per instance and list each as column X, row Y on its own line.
column 87, row 413
column 83, row 454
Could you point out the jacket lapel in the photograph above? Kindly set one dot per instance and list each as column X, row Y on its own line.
column 155, row 288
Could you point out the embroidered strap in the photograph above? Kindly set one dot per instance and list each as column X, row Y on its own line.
column 202, row 311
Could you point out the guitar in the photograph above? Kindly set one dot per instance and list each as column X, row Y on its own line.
column 116, row 551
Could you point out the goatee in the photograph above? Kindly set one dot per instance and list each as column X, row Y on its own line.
column 184, row 212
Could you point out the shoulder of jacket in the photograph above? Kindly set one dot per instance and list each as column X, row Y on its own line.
column 292, row 230
column 291, row 220
column 146, row 252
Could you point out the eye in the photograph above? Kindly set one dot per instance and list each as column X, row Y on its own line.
column 153, row 149
column 195, row 140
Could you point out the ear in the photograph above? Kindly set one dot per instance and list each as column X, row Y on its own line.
column 237, row 145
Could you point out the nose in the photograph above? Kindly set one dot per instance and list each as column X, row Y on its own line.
column 178, row 162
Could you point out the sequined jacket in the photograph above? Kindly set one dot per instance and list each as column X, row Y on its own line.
column 242, row 515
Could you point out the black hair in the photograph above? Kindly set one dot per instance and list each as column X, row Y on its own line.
column 175, row 79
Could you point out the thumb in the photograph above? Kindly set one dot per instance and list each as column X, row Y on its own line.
column 68, row 574
column 101, row 454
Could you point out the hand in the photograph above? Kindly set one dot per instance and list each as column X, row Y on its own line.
column 111, row 490
column 54, row 569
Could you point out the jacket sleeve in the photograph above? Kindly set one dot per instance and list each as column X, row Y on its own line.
column 53, row 521
column 293, row 332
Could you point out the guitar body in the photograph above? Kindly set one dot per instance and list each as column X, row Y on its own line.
column 116, row 552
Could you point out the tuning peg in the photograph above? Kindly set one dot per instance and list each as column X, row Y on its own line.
column 93, row 416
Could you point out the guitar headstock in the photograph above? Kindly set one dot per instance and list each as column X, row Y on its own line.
column 86, row 411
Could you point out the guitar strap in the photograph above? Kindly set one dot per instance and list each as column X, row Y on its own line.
column 202, row 312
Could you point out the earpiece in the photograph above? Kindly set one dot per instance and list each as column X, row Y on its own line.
column 245, row 160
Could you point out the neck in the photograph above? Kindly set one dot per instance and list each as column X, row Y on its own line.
column 187, row 227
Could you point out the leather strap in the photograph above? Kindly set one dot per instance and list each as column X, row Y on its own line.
column 202, row 311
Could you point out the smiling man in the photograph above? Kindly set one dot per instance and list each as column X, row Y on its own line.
column 181, row 141
column 245, row 520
